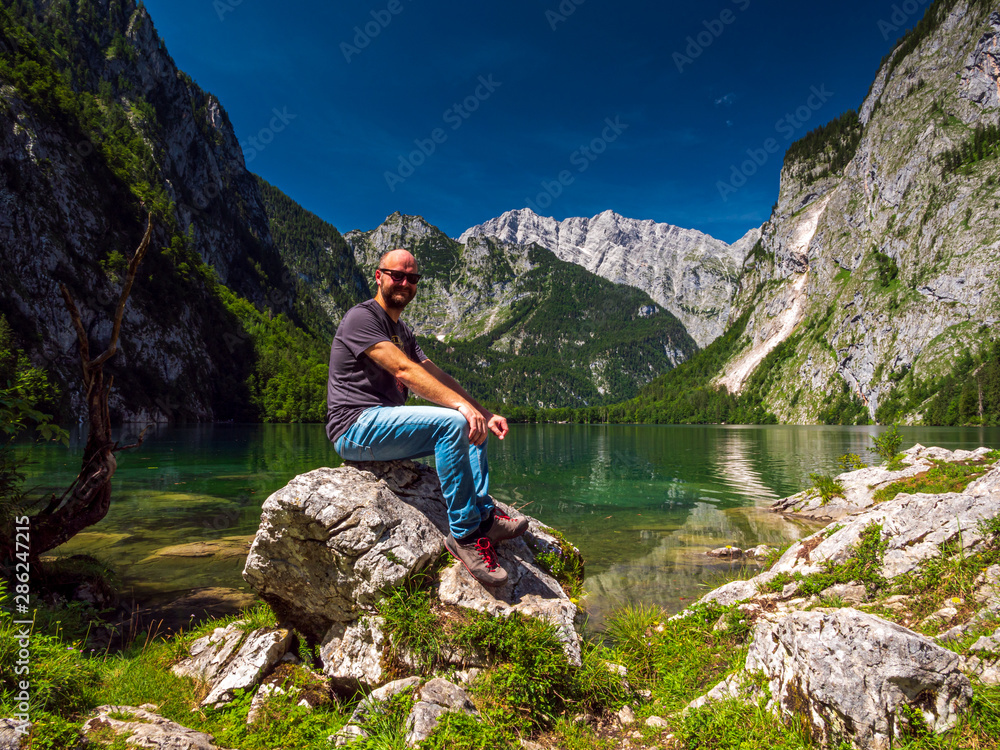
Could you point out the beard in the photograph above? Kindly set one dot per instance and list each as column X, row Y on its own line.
column 397, row 298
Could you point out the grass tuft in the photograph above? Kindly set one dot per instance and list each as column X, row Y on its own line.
column 943, row 477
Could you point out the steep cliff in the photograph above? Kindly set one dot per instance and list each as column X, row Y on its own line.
column 692, row 275
column 97, row 128
column 524, row 327
column 879, row 266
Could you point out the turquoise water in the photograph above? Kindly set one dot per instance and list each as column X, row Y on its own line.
column 642, row 502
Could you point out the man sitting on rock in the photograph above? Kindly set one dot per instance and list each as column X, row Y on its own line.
column 374, row 363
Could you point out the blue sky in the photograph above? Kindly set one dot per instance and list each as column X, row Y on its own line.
column 461, row 111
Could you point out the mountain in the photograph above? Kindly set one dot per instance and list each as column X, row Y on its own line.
column 873, row 292
column 519, row 326
column 98, row 128
column 692, row 275
column 327, row 279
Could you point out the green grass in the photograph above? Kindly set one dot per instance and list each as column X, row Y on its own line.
column 566, row 565
column 678, row 660
column 528, row 688
column 943, row 477
column 863, row 565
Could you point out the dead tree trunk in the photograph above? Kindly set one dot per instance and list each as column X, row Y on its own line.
column 89, row 496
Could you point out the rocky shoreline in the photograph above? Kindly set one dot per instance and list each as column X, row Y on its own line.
column 883, row 625
column 832, row 642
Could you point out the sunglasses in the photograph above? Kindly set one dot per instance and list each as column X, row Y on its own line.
column 398, row 276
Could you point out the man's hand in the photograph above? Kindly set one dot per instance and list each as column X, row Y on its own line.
column 477, row 425
column 498, row 425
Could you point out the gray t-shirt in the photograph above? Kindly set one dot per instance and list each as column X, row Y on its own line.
column 355, row 381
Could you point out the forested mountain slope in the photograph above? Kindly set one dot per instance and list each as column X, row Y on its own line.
column 873, row 292
column 521, row 326
column 97, row 129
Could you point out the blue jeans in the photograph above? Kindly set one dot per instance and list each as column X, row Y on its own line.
column 383, row 433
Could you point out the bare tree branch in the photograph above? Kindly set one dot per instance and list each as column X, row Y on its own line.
column 87, row 500
column 133, row 266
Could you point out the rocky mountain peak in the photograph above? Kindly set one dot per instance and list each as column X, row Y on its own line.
column 692, row 274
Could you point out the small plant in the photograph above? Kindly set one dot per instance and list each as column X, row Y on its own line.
column 826, row 487
column 886, row 446
column 385, row 724
column 458, row 731
column 257, row 617
column 863, row 565
column 832, row 602
column 531, row 679
column 565, row 565
column 886, row 268
column 774, row 555
column 776, row 584
column 851, row 462
column 413, row 629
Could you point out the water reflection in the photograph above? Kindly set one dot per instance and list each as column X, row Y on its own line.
column 643, row 502
column 733, row 461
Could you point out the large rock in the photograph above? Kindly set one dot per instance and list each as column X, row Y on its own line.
column 144, row 729
column 913, row 526
column 216, row 661
column 333, row 540
column 850, row 673
column 860, row 485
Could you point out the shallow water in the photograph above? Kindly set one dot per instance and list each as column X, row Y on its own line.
column 642, row 502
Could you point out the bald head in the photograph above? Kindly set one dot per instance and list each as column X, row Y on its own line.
column 397, row 259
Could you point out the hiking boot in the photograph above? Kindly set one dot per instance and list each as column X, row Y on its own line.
column 505, row 527
column 479, row 558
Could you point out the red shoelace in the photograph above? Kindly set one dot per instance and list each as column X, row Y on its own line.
column 486, row 551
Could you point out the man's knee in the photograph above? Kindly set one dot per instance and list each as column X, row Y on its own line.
column 455, row 427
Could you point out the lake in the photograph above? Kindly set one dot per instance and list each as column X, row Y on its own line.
column 642, row 502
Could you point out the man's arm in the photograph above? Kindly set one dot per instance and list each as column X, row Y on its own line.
column 420, row 380
column 496, row 423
